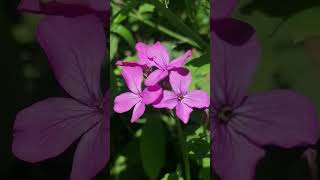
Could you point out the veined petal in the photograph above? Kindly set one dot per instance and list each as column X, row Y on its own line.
column 125, row 101
column 180, row 81
column 179, row 62
column 233, row 68
column 233, row 156
column 70, row 8
column 48, row 128
column 169, row 100
column 221, row 9
column 142, row 54
column 76, row 49
column 92, row 153
column 155, row 77
column 133, row 77
column 151, row 94
column 197, row 99
column 183, row 112
column 159, row 55
column 280, row 117
column 138, row 111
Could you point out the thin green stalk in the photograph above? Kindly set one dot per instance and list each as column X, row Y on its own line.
column 165, row 30
column 183, row 148
column 178, row 24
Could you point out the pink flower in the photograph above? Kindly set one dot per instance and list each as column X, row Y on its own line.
column 138, row 99
column 156, row 55
column 180, row 98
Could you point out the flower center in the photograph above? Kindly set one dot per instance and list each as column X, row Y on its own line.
column 225, row 114
column 99, row 106
column 180, row 97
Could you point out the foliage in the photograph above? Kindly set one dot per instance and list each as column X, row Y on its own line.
column 149, row 149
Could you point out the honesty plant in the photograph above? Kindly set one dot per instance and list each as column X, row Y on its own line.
column 133, row 77
column 177, row 96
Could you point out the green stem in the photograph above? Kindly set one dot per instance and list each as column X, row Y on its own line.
column 165, row 30
column 179, row 25
column 183, row 148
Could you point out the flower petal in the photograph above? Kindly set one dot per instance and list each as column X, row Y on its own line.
column 76, row 49
column 180, row 81
column 280, row 117
column 233, row 68
column 233, row 31
column 47, row 128
column 133, row 77
column 142, row 54
column 92, row 153
column 127, row 63
column 70, row 8
column 197, row 99
column 138, row 111
column 125, row 101
column 232, row 155
column 183, row 112
column 155, row 77
column 179, row 62
column 169, row 100
column 151, row 94
column 159, row 55
column 221, row 9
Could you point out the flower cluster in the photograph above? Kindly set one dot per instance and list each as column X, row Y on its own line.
column 177, row 96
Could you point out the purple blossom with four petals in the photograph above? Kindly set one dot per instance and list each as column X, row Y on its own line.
column 156, row 55
column 137, row 98
column 180, row 98
column 76, row 49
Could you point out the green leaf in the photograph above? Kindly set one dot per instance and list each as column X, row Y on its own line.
column 176, row 22
column 305, row 24
column 152, row 147
column 145, row 8
column 200, row 61
column 171, row 176
column 124, row 33
column 114, row 42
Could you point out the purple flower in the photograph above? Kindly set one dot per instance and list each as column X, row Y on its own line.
column 156, row 55
column 76, row 49
column 180, row 98
column 137, row 98
column 242, row 125
column 65, row 7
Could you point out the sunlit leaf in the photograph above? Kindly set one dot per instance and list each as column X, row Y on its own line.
column 305, row 24
column 124, row 33
column 152, row 147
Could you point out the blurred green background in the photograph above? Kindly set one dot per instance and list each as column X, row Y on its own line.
column 289, row 32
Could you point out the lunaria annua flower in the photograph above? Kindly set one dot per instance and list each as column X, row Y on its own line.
column 177, row 96
column 180, row 98
column 156, row 55
column 76, row 49
column 137, row 98
column 242, row 125
column 70, row 8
